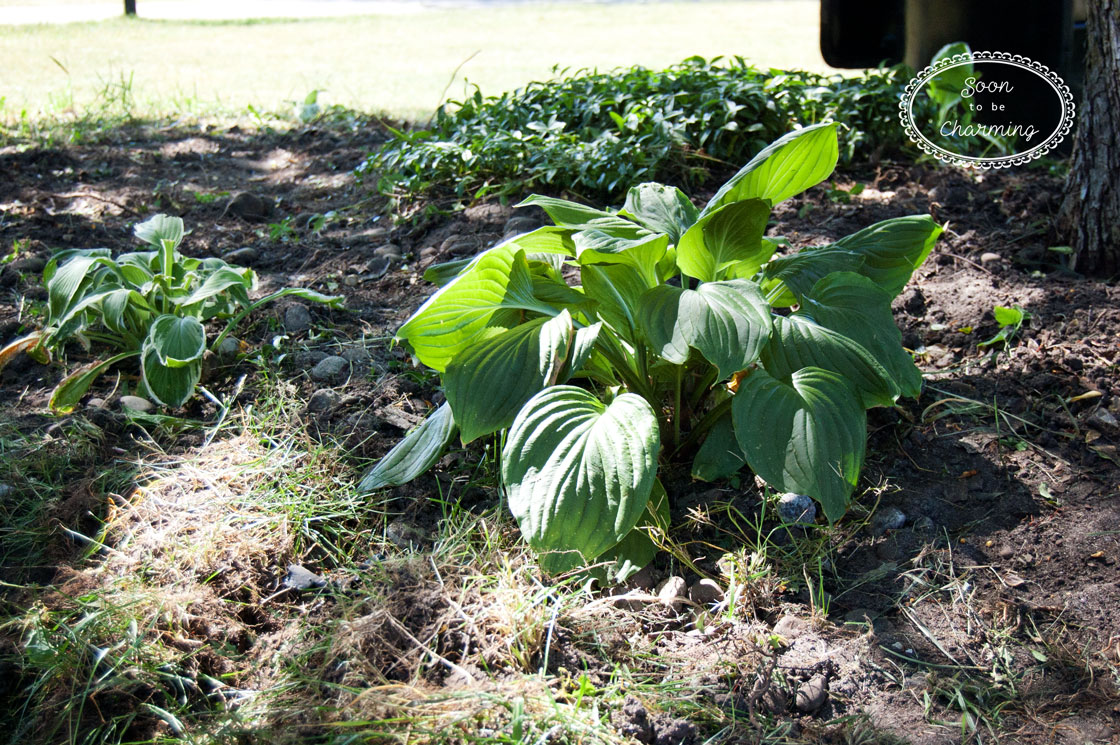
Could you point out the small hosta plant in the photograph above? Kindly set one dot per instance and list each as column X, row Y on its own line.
column 151, row 305
column 614, row 342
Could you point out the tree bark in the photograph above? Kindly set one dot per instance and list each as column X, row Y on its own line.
column 1090, row 215
column 130, row 7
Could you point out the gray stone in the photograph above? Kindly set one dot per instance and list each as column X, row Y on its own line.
column 429, row 253
column 458, row 245
column 988, row 257
column 811, row 696
column 230, row 347
column 5, row 490
column 351, row 280
column 301, row 578
column 790, row 627
column 706, row 592
column 249, row 206
column 297, row 319
column 1104, row 419
column 356, row 355
column 96, row 403
column 642, row 579
column 520, row 224
column 797, row 508
column 246, row 255
column 390, row 251
column 322, row 400
column 333, row 369
column 925, row 526
column 135, row 403
column 377, row 266
column 672, row 592
column 887, row 518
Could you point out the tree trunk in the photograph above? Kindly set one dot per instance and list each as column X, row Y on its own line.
column 130, row 7
column 1090, row 214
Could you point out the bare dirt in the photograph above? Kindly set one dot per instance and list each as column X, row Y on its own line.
column 995, row 585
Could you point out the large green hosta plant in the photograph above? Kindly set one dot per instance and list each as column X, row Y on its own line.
column 614, row 341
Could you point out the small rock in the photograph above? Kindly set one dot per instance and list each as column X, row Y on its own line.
column 135, row 403
column 230, row 347
column 333, row 369
column 925, row 526
column 249, row 206
column 301, row 578
column 1104, row 419
column 28, row 265
column 96, row 403
column 887, row 518
column 351, row 280
column 988, row 257
column 949, row 195
column 297, row 319
column 642, row 580
column 520, row 224
column 322, row 400
column 390, row 251
column 402, row 535
column 5, row 490
column 811, row 696
column 797, row 508
column 245, row 255
column 377, row 266
column 357, row 355
column 706, row 592
column 488, row 212
column 1006, row 552
column 429, row 253
column 308, row 358
column 790, row 627
column 672, row 592
column 457, row 245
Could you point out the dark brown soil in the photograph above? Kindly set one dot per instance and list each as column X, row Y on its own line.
column 1006, row 470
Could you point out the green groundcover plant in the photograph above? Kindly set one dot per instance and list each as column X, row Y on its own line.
column 151, row 305
column 612, row 342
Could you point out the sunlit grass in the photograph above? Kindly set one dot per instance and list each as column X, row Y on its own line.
column 399, row 65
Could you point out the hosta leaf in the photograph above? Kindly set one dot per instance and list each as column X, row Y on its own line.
column 617, row 288
column 583, row 344
column 887, row 253
column 644, row 253
column 580, row 217
column 660, row 208
column 63, row 286
column 806, row 436
column 68, row 393
column 224, row 280
column 550, row 239
column 658, row 318
column 788, row 166
column 176, row 341
column 461, row 311
column 490, row 381
column 855, row 307
column 637, row 549
column 579, row 473
column 728, row 235
column 170, row 386
column 413, row 455
column 799, row 342
column 720, row 456
column 160, row 228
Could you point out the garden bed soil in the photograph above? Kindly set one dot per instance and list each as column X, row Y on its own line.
column 985, row 542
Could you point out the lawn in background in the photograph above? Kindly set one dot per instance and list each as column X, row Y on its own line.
column 399, row 65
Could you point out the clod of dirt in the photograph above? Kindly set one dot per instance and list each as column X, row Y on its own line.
column 633, row 721
column 667, row 731
column 811, row 696
column 673, row 592
column 705, row 592
column 790, row 627
column 135, row 403
column 249, row 206
column 301, row 579
column 297, row 319
column 887, row 518
column 322, row 400
column 244, row 256
column 333, row 369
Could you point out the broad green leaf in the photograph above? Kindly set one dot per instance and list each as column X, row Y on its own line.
column 720, row 456
column 413, row 455
column 580, row 217
column 748, row 268
column 633, row 552
column 441, row 274
column 729, row 235
column 727, row 322
column 806, row 436
column 583, row 344
column 459, row 312
column 1008, row 316
column 63, row 286
column 170, row 386
column 644, row 253
column 160, row 228
column 887, row 252
column 550, row 239
column 489, row 382
column 224, row 280
column 798, row 341
column 658, row 318
column 578, row 473
column 852, row 305
column 788, row 166
column 116, row 304
column 660, row 208
column 68, row 393
column 177, row 341
column 617, row 288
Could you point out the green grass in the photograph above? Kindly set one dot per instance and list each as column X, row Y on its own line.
column 399, row 65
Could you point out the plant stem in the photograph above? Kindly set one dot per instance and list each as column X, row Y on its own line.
column 677, row 407
column 775, row 293
column 702, row 386
column 704, row 425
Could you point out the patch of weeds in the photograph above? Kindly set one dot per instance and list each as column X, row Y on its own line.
column 281, row 232
column 595, row 133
